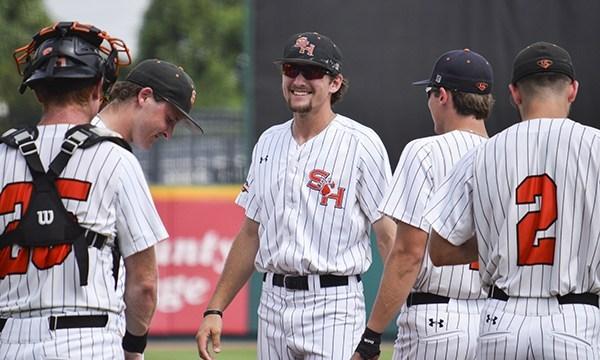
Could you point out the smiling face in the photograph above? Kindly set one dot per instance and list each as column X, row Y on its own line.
column 307, row 88
column 154, row 119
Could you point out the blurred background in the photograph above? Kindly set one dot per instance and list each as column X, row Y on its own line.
column 228, row 48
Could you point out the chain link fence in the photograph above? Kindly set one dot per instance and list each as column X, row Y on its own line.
column 219, row 156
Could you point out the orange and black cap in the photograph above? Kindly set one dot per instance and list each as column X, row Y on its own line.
column 170, row 83
column 542, row 57
column 312, row 48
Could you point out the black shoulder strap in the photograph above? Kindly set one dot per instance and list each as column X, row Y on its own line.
column 82, row 136
column 8, row 137
column 103, row 134
column 24, row 140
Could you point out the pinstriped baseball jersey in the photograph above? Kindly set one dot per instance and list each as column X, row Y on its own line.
column 105, row 188
column 315, row 202
column 531, row 194
column 421, row 169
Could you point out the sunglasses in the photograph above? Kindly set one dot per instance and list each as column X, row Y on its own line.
column 309, row 72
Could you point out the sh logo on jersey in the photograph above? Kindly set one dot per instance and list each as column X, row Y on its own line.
column 320, row 180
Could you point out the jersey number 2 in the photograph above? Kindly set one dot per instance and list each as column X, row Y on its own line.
column 41, row 257
column 542, row 252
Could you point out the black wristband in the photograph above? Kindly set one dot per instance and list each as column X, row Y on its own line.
column 213, row 312
column 134, row 343
column 369, row 344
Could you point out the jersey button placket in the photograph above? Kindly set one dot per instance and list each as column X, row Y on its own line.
column 293, row 177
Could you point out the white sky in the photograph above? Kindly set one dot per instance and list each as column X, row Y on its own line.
column 120, row 18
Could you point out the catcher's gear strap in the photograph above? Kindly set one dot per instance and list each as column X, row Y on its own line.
column 46, row 221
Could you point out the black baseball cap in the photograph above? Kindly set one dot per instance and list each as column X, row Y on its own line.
column 312, row 48
column 542, row 57
column 169, row 82
column 461, row 70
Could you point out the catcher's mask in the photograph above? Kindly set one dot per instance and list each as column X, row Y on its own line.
column 70, row 50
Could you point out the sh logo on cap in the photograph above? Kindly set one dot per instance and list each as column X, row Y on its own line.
column 312, row 48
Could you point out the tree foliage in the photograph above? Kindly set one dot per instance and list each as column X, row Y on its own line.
column 19, row 21
column 205, row 38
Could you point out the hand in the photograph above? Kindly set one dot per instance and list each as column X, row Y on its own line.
column 210, row 328
column 133, row 356
column 358, row 356
column 368, row 347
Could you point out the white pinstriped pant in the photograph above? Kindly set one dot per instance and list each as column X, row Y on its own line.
column 538, row 328
column 31, row 338
column 319, row 323
column 438, row 331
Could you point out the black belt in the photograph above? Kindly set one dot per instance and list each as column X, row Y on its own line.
column 72, row 321
column 583, row 298
column 419, row 298
column 299, row 282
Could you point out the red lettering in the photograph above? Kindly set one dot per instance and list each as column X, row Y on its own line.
column 541, row 253
column 338, row 197
column 318, row 178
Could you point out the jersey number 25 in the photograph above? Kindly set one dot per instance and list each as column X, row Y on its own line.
column 41, row 257
column 542, row 251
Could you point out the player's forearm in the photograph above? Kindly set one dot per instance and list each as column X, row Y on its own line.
column 236, row 273
column 444, row 253
column 141, row 283
column 239, row 266
column 140, row 301
column 385, row 233
column 399, row 275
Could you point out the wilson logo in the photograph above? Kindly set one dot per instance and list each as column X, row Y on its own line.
column 45, row 217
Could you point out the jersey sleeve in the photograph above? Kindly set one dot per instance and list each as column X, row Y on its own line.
column 138, row 224
column 247, row 197
column 411, row 187
column 376, row 174
column 450, row 211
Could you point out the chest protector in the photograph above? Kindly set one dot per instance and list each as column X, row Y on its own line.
column 46, row 222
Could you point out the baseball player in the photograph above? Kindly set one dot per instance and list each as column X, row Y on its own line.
column 310, row 198
column 147, row 105
column 441, row 316
column 526, row 202
column 73, row 201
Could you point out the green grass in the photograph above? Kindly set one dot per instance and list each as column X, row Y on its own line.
column 232, row 351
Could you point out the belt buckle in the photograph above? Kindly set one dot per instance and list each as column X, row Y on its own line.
column 53, row 320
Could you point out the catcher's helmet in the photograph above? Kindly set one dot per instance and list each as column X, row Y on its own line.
column 70, row 50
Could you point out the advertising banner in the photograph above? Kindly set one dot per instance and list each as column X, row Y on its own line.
column 202, row 223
